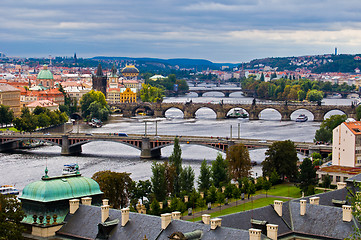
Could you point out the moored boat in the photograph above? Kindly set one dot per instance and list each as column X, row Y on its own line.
column 302, row 118
column 70, row 169
column 8, row 189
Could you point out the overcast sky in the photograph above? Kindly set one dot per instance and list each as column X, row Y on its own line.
column 220, row 31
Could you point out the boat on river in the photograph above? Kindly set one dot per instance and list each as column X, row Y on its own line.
column 8, row 189
column 70, row 168
column 237, row 113
column 302, row 118
column 95, row 123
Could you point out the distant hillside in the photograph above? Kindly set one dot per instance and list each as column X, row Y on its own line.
column 199, row 64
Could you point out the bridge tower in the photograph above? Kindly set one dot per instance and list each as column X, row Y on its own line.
column 146, row 150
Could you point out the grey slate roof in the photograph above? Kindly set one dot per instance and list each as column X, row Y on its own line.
column 356, row 178
column 320, row 220
column 326, row 198
column 83, row 224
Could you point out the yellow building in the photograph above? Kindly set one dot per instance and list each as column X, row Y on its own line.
column 121, row 95
column 10, row 96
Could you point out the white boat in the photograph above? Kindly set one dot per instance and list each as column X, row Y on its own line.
column 302, row 118
column 237, row 113
column 8, row 189
column 70, row 169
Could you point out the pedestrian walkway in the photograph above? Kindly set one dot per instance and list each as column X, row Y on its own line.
column 231, row 204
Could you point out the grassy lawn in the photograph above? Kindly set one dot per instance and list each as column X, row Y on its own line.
column 10, row 129
column 256, row 204
column 284, row 190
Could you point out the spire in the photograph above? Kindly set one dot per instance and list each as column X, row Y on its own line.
column 99, row 70
column 46, row 173
column 114, row 71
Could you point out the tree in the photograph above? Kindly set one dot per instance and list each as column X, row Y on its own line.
column 11, row 215
column 267, row 186
column 158, row 179
column 94, row 103
column 204, row 178
column 324, row 134
column 358, row 113
column 307, row 176
column 149, row 93
column 314, row 95
column 155, row 208
column 326, row 181
column 116, row 186
column 239, row 162
column 175, row 159
column 6, row 115
column 220, row 199
column 281, row 156
column 143, row 189
column 274, row 178
column 355, row 200
column 186, row 179
column 219, row 171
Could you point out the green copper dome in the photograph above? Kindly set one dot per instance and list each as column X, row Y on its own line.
column 45, row 73
column 60, row 188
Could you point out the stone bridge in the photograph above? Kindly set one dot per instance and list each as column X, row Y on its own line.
column 226, row 92
column 149, row 146
column 221, row 110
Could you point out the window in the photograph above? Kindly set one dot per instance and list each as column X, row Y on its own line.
column 338, row 179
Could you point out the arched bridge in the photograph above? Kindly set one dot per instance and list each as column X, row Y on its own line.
column 226, row 92
column 150, row 146
column 221, row 109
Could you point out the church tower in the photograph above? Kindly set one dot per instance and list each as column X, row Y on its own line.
column 113, row 79
column 100, row 81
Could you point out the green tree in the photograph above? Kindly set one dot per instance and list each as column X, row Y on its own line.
column 314, row 95
column 143, row 189
column 186, row 179
column 324, row 133
column 274, row 178
column 175, row 159
column 158, row 179
column 307, row 176
column 239, row 162
column 267, row 186
column 358, row 113
column 281, row 156
column 116, row 186
column 155, row 208
column 219, row 171
column 149, row 93
column 212, row 194
column 94, row 103
column 220, row 199
column 204, row 178
column 6, row 115
column 326, row 181
column 11, row 215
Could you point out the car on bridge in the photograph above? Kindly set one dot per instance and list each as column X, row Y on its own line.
column 122, row 135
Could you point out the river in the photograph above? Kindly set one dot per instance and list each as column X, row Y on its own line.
column 22, row 167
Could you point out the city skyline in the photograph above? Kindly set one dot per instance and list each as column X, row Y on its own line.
column 219, row 31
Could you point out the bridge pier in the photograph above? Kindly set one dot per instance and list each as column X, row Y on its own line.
column 199, row 94
column 158, row 113
column 286, row 116
column 318, row 117
column 221, row 115
column 127, row 113
column 226, row 94
column 9, row 146
column 147, row 152
column 66, row 149
column 188, row 114
column 253, row 115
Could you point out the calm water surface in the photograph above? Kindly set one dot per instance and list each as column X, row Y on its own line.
column 23, row 167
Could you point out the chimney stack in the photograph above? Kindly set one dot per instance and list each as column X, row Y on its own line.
column 105, row 213
column 105, row 202
column 346, row 213
column 278, row 207
column 254, row 234
column 303, row 207
column 176, row 215
column 272, row 230
column 86, row 201
column 216, row 222
column 166, row 219
column 341, row 185
column 206, row 218
column 315, row 200
column 74, row 205
column 125, row 216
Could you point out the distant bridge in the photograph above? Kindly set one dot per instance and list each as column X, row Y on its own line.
column 150, row 146
column 226, row 92
column 221, row 109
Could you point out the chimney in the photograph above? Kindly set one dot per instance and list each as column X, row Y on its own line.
column 74, row 205
column 278, row 207
column 303, row 207
column 161, row 205
column 125, row 216
column 206, row 218
column 272, row 230
column 341, row 185
column 254, row 234
column 105, row 202
column 176, row 215
column 346, row 213
column 315, row 200
column 166, row 219
column 216, row 222
column 105, row 212
column 185, row 198
column 86, row 201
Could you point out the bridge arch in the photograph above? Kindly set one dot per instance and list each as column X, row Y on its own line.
column 335, row 111
column 270, row 114
column 304, row 111
column 144, row 109
column 204, row 109
column 174, row 111
column 80, row 143
column 216, row 93
column 237, row 111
